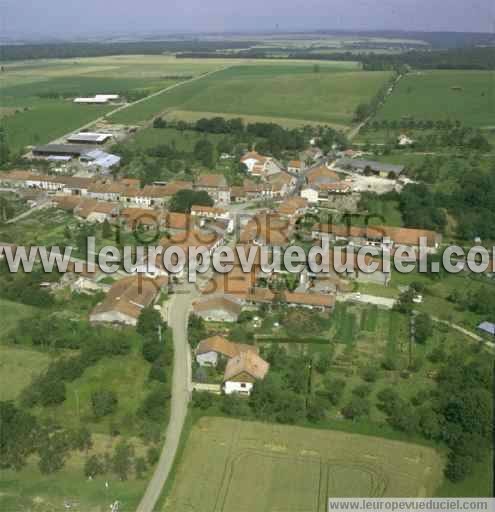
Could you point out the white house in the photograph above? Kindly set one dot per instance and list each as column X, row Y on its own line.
column 243, row 371
column 310, row 194
column 259, row 165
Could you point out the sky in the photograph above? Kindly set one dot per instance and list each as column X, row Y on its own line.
column 79, row 18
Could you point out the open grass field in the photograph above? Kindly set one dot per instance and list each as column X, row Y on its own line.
column 235, row 466
column 190, row 117
column 275, row 90
column 11, row 313
column 47, row 119
column 125, row 375
column 17, row 367
column 30, row 119
column 28, row 490
column 183, row 140
column 467, row 96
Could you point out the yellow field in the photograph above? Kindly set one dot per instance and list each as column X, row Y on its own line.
column 235, row 466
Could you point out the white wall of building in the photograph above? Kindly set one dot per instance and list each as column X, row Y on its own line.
column 243, row 388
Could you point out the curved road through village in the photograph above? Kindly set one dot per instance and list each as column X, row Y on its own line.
column 178, row 312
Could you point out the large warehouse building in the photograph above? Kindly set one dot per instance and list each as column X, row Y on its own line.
column 89, row 138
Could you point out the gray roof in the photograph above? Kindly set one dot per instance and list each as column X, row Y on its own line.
column 107, row 161
column 488, row 327
column 375, row 166
column 61, row 149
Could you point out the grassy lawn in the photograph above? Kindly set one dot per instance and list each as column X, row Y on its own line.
column 478, row 484
column 380, row 212
column 292, row 91
column 28, row 490
column 127, row 376
column 11, row 313
column 292, row 468
column 466, row 96
column 17, row 367
column 145, row 110
column 183, row 140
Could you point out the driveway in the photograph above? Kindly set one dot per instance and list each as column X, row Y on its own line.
column 178, row 312
column 382, row 302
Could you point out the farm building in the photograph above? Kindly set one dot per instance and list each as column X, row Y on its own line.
column 91, row 101
column 89, row 138
column 378, row 168
column 73, row 150
column 100, row 159
column 97, row 99
column 126, row 299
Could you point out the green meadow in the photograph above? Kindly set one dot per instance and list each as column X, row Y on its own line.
column 466, row 96
column 36, row 96
column 309, row 92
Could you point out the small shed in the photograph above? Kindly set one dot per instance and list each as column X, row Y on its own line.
column 487, row 328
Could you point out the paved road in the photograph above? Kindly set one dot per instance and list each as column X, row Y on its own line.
column 178, row 312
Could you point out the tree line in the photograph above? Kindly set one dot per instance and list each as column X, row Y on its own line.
column 72, row 50
column 454, row 58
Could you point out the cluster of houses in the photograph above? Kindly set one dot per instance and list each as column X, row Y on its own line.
column 304, row 183
column 129, row 192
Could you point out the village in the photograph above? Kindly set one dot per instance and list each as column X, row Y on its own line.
column 277, row 206
column 244, row 271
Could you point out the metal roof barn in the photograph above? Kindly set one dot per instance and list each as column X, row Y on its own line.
column 60, row 150
column 89, row 137
column 91, row 100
